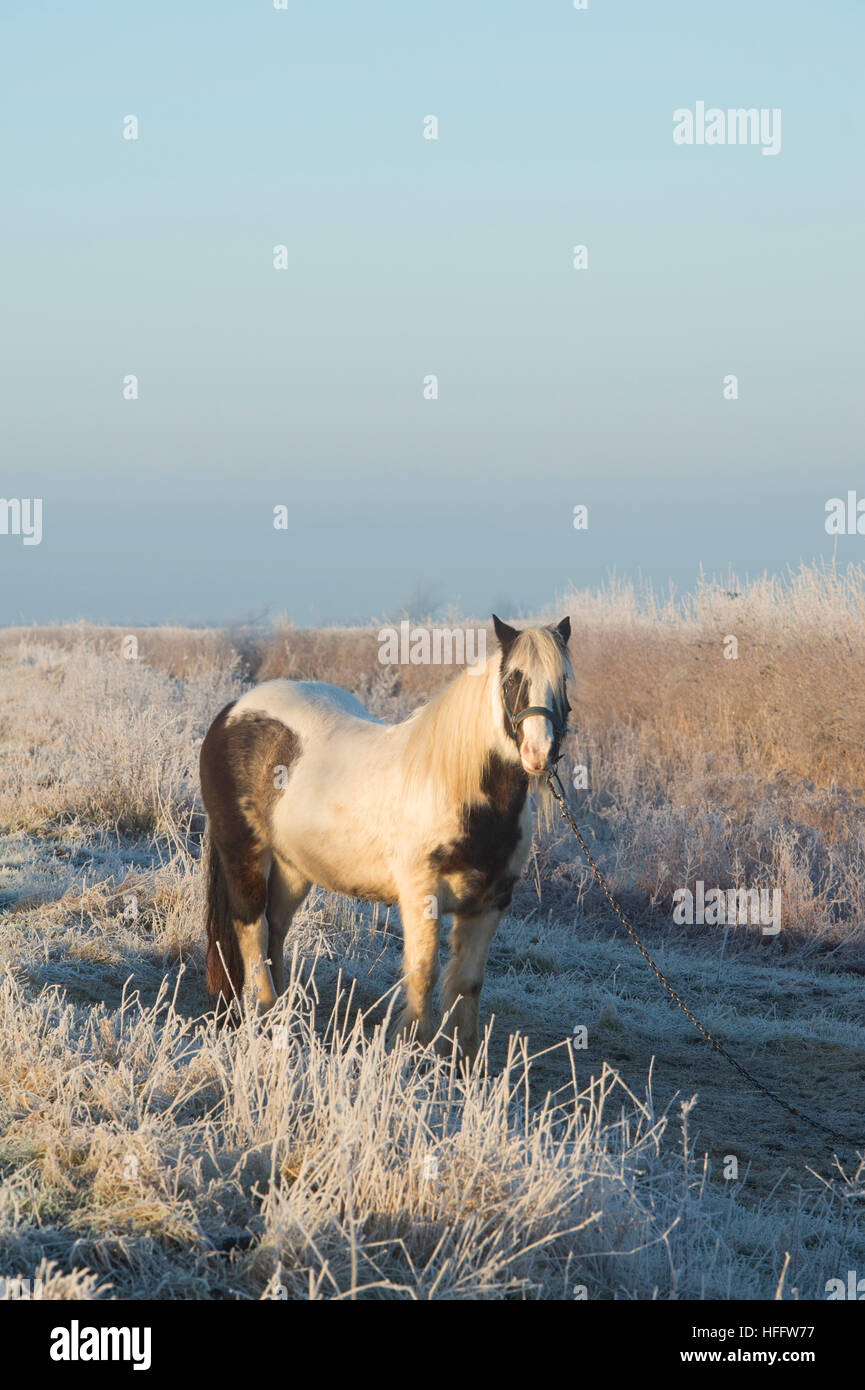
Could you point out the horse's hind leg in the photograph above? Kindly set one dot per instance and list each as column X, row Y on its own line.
column 286, row 890
column 250, row 925
column 239, row 757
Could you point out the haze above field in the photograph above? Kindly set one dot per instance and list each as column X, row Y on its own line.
column 408, row 257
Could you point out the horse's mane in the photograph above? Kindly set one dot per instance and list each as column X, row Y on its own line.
column 539, row 642
column 449, row 737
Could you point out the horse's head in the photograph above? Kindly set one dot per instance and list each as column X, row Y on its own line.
column 534, row 673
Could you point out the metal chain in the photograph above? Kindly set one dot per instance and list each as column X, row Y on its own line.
column 558, row 792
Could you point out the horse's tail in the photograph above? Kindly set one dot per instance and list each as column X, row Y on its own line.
column 224, row 961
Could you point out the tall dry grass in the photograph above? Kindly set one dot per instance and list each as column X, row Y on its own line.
column 788, row 705
column 789, row 702
column 87, row 735
column 306, row 1160
column 733, row 771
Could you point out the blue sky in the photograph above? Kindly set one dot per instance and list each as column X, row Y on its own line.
column 407, row 257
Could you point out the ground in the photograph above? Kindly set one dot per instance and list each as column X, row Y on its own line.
column 146, row 1152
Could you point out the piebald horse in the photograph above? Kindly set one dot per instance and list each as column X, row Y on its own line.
column 302, row 785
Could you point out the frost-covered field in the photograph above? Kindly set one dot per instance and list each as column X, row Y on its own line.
column 144, row 1153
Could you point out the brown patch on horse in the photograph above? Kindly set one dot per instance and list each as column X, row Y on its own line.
column 238, row 766
column 515, row 696
column 490, row 834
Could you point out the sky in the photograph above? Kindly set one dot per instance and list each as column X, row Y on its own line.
column 408, row 258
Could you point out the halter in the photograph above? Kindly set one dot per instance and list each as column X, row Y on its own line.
column 515, row 720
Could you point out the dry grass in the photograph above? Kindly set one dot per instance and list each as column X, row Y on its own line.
column 159, row 1156
column 144, row 1153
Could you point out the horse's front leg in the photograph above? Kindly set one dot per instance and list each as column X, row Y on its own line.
column 258, row 981
column 463, row 980
column 420, row 929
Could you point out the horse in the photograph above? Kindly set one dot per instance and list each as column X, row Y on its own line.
column 302, row 786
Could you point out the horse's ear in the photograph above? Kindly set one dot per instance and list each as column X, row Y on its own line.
column 506, row 635
column 564, row 630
